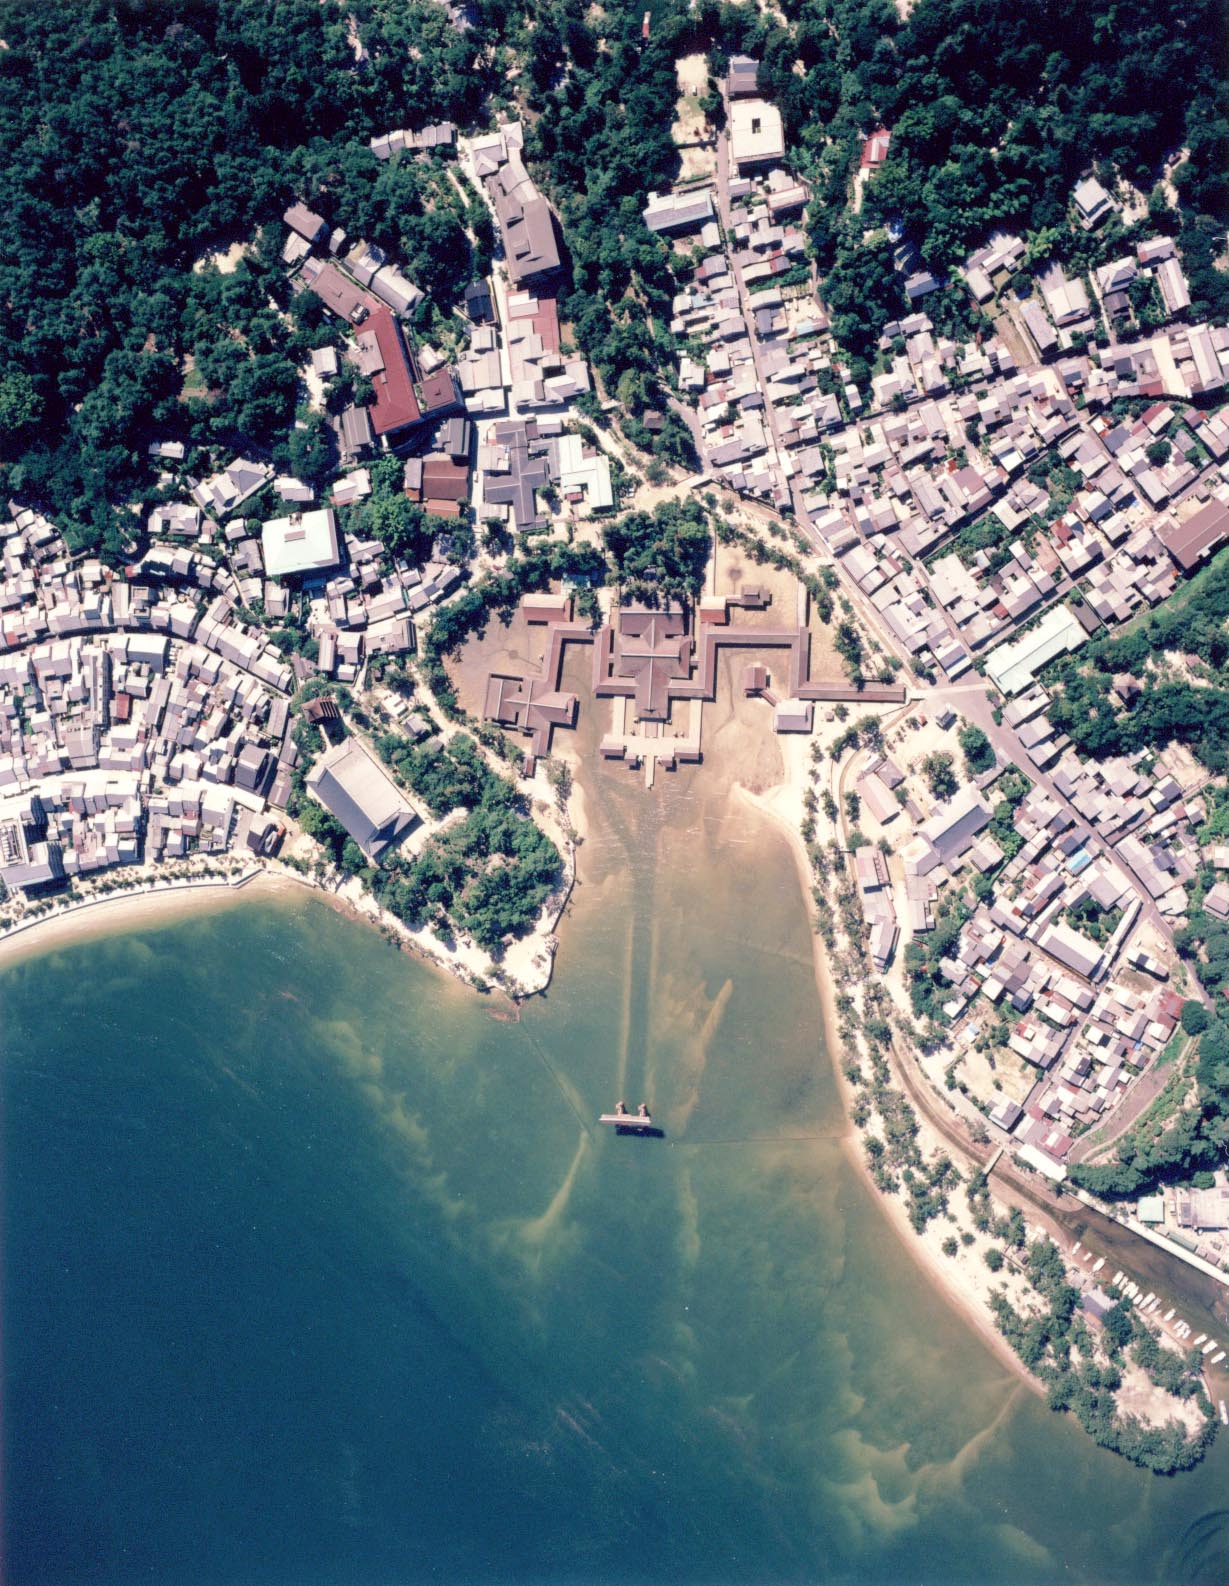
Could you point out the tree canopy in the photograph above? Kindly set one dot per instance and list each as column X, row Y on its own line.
column 491, row 871
column 139, row 138
column 662, row 555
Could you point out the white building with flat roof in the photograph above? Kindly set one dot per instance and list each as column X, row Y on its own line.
column 1092, row 202
column 757, row 136
column 587, row 476
column 305, row 542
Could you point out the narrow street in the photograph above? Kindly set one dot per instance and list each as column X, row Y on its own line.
column 975, row 701
column 1010, row 751
column 1059, row 1212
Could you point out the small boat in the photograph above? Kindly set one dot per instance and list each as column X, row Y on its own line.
column 624, row 1122
column 1224, row 1417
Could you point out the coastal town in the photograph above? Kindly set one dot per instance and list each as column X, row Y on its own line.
column 919, row 543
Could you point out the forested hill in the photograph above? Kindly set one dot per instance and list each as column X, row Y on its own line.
column 135, row 138
column 995, row 111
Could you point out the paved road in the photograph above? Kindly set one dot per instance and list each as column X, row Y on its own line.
column 1138, row 1099
column 1007, row 746
column 744, row 303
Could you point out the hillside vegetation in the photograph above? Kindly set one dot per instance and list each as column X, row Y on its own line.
column 139, row 137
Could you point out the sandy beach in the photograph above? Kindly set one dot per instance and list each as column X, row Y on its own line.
column 527, row 963
column 964, row 1279
column 143, row 909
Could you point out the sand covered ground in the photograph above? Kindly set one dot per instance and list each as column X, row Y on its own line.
column 769, row 772
column 515, row 646
column 964, row 1279
column 158, row 904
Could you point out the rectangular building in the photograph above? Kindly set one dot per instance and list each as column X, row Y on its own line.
column 305, row 542
column 1202, row 533
column 757, row 136
column 353, row 786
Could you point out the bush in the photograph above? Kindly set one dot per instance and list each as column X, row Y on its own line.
column 978, row 755
column 940, row 775
column 1195, row 1018
column 994, row 1258
column 1118, row 1326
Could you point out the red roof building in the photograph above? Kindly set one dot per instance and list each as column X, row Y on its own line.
column 542, row 316
column 875, row 149
column 395, row 405
column 1202, row 533
column 439, row 394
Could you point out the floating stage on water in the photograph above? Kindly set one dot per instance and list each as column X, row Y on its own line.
column 639, row 1122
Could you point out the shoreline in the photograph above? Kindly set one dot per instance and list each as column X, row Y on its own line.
column 135, row 908
column 159, row 901
column 940, row 1270
column 958, row 1278
column 160, row 896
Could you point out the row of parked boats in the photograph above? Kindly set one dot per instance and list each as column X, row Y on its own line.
column 1149, row 1304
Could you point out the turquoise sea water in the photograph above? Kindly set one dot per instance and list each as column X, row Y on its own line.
column 316, row 1271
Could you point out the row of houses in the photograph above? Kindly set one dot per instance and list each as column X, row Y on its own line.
column 1123, row 1030
column 413, row 388
column 768, row 367
column 931, row 398
column 1144, row 500
column 720, row 373
column 526, row 223
column 158, row 725
column 1053, row 950
column 1045, row 948
column 1062, row 309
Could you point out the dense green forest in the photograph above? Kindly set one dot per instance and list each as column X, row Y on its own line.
column 1167, row 706
column 138, row 137
column 995, row 111
column 662, row 555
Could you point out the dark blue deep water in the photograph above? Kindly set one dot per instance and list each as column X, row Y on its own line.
column 317, row 1271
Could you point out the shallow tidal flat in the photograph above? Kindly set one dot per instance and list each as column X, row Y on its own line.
column 318, row 1269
